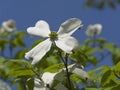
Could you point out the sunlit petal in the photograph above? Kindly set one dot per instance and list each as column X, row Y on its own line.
column 67, row 44
column 69, row 26
column 48, row 78
column 39, row 51
column 41, row 29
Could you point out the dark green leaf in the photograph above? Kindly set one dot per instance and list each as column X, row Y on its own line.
column 36, row 43
column 54, row 68
column 21, row 73
column 101, row 40
column 101, row 5
column 30, row 84
column 20, row 54
column 111, row 4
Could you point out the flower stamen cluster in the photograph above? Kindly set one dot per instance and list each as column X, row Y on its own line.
column 53, row 36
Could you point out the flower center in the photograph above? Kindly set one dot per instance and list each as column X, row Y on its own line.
column 11, row 24
column 53, row 35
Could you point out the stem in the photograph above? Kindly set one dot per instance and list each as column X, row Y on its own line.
column 67, row 72
column 36, row 74
column 65, row 61
column 94, row 40
column 11, row 51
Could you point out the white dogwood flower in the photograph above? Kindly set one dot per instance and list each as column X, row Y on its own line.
column 47, row 81
column 9, row 25
column 94, row 29
column 62, row 39
column 48, row 78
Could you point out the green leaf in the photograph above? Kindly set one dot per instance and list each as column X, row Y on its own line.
column 116, row 69
column 36, row 43
column 54, row 68
column 91, row 88
column 118, row 1
column 87, row 4
column 79, row 56
column 30, row 84
column 117, row 87
column 3, row 69
column 20, row 54
column 111, row 4
column 93, row 59
column 96, row 74
column 101, row 40
column 18, row 39
column 109, row 79
column 21, row 73
column 3, row 42
column 21, row 62
column 110, row 46
column 88, row 41
column 116, row 55
column 101, row 5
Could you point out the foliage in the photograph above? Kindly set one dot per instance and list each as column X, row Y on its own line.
column 16, row 70
column 101, row 4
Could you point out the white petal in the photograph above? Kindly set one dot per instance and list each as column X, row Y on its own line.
column 72, row 68
column 39, row 51
column 69, row 26
column 67, row 44
column 48, row 78
column 60, row 76
column 39, row 85
column 81, row 73
column 60, row 86
column 41, row 29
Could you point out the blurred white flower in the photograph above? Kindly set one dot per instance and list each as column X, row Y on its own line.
column 9, row 25
column 94, row 29
column 61, row 39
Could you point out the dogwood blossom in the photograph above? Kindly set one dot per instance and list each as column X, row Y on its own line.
column 94, row 29
column 62, row 39
column 48, row 78
column 47, row 81
column 9, row 25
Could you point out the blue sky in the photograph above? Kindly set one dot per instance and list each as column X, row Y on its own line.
column 27, row 12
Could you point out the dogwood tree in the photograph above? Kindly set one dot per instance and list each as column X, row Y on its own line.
column 57, row 60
